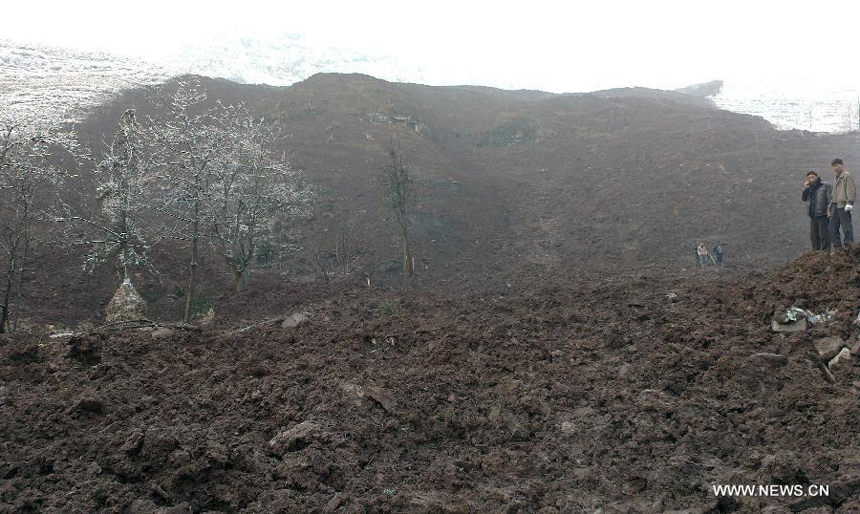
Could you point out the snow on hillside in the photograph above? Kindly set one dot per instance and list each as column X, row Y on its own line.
column 44, row 85
column 805, row 104
column 278, row 61
column 51, row 84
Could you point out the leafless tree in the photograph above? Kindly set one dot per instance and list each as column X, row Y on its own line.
column 124, row 180
column 399, row 194
column 251, row 190
column 27, row 185
column 189, row 141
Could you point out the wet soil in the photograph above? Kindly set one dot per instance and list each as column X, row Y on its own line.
column 627, row 393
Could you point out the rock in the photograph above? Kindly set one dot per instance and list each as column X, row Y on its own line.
column 94, row 468
column 855, row 348
column 793, row 326
column 842, row 359
column 294, row 320
column 828, row 347
column 161, row 333
column 382, row 397
column 296, row 438
column 774, row 360
column 334, row 503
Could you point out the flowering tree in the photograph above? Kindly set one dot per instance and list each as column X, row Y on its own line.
column 27, row 186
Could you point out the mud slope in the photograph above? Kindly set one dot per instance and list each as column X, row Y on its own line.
column 633, row 394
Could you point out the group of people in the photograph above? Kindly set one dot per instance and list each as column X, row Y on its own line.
column 829, row 207
column 704, row 258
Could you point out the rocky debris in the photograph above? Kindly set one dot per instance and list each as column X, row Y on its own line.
column 828, row 347
column 294, row 320
column 126, row 304
column 773, row 360
column 788, row 327
column 841, row 359
column 296, row 438
column 796, row 319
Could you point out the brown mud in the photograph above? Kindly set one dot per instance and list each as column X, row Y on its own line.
column 631, row 393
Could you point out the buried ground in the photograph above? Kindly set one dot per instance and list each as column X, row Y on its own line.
column 622, row 394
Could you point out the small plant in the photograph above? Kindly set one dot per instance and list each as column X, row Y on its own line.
column 85, row 327
column 201, row 305
column 388, row 308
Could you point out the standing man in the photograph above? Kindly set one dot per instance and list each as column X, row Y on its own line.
column 818, row 195
column 718, row 253
column 841, row 205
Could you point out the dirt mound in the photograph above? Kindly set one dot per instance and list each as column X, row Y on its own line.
column 625, row 394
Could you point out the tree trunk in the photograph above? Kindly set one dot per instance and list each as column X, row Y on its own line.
column 7, row 294
column 238, row 279
column 192, row 278
column 19, row 294
column 408, row 270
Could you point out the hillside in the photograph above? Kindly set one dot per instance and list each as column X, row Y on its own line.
column 512, row 182
column 621, row 177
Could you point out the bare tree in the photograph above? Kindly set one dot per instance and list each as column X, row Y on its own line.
column 124, row 179
column 27, row 184
column 250, row 191
column 399, row 194
column 189, row 144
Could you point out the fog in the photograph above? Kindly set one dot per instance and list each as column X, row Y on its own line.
column 538, row 45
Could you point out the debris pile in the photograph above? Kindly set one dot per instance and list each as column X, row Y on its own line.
column 126, row 304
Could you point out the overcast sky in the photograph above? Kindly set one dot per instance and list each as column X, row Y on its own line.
column 554, row 46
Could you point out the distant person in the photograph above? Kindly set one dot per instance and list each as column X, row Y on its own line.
column 696, row 253
column 841, row 205
column 718, row 253
column 702, row 253
column 818, row 195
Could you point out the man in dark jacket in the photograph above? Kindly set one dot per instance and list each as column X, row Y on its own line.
column 818, row 195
